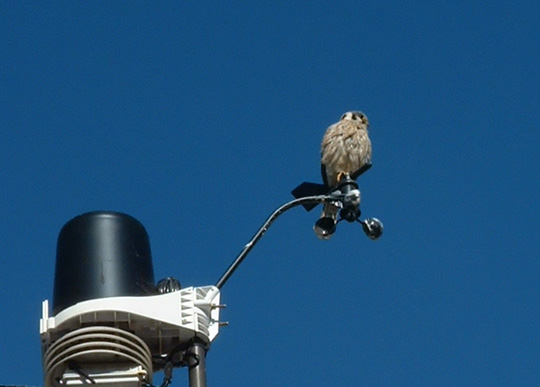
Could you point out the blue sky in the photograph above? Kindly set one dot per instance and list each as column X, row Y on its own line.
column 199, row 118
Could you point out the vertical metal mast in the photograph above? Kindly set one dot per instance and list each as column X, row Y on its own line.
column 196, row 363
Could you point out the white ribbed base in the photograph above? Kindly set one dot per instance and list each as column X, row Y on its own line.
column 99, row 354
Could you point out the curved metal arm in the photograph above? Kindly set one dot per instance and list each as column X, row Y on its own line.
column 247, row 248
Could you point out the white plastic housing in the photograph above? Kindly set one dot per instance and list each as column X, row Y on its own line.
column 162, row 322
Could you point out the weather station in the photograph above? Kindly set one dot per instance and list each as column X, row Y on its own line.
column 110, row 323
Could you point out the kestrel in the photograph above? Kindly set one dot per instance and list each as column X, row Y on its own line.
column 345, row 149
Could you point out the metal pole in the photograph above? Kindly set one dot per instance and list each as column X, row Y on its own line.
column 197, row 365
column 247, row 248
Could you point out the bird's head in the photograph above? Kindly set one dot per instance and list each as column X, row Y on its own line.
column 355, row 116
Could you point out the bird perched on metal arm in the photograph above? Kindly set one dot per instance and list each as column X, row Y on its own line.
column 345, row 149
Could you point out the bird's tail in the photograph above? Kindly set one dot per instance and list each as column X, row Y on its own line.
column 326, row 225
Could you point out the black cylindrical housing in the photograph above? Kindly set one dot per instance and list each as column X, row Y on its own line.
column 101, row 254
